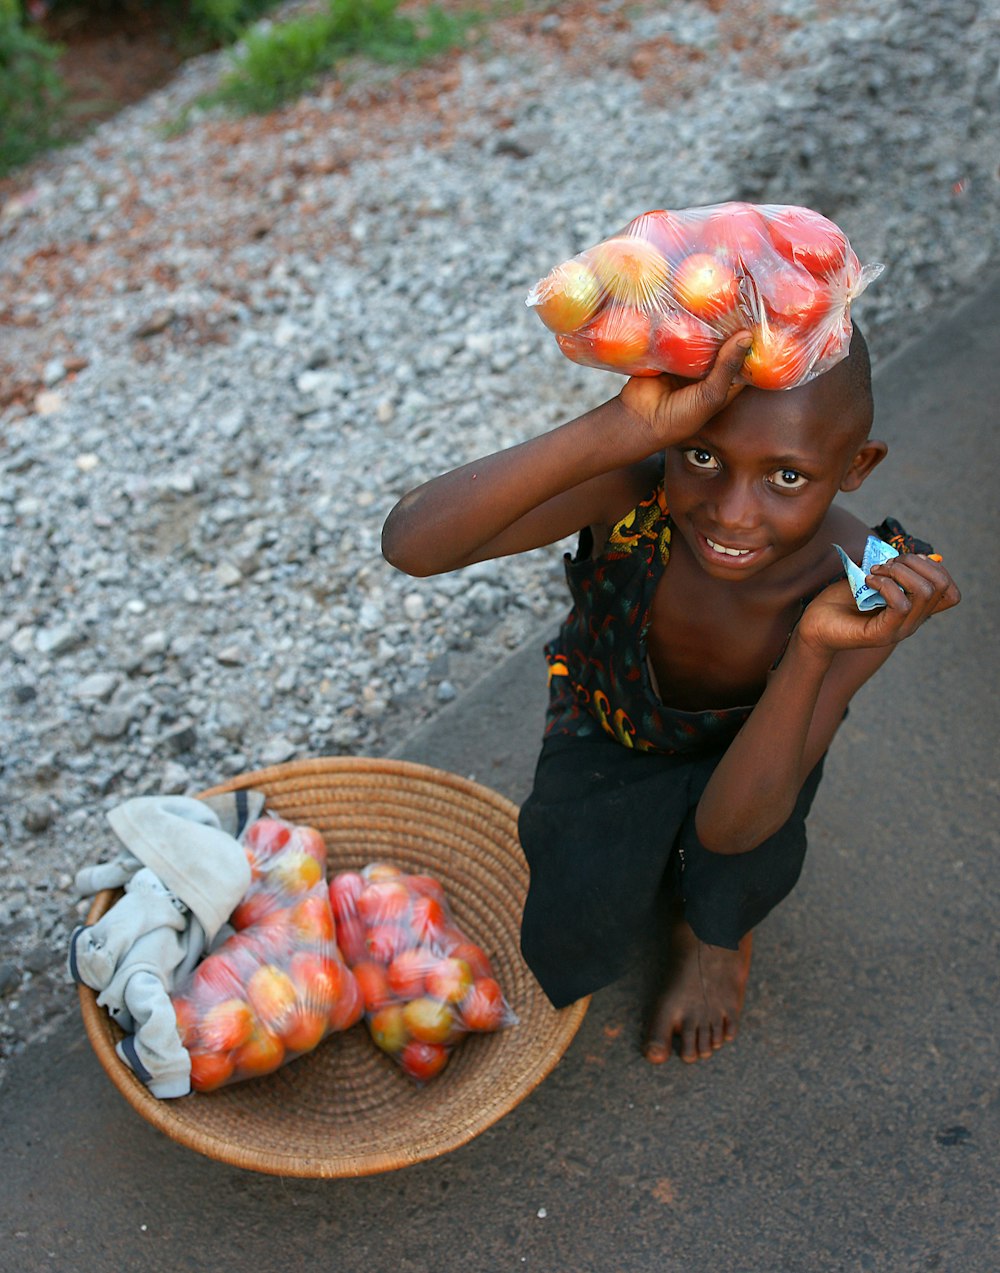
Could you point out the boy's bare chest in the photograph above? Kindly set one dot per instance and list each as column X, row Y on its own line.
column 711, row 648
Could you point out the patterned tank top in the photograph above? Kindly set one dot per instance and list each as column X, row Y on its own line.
column 599, row 676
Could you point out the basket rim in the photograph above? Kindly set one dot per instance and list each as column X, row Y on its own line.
column 161, row 1113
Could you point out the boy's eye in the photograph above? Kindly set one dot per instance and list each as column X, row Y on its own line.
column 788, row 479
column 700, row 458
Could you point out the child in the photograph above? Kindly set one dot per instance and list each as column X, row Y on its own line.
column 711, row 653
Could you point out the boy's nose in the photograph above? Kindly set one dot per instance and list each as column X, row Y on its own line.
column 735, row 508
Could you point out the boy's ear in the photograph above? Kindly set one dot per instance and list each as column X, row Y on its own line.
column 867, row 457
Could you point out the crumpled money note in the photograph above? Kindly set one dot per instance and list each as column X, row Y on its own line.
column 877, row 551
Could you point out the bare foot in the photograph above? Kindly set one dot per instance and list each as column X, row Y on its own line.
column 701, row 998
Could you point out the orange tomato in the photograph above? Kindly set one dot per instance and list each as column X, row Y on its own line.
column 262, row 1053
column 273, row 996
column 310, row 841
column 388, row 1028
column 349, row 1005
column 568, row 296
column 706, row 287
column 226, row 1025
column 210, row 1070
column 304, row 1030
column 449, row 979
column 429, row 1020
column 311, row 919
column 776, row 359
column 630, row 269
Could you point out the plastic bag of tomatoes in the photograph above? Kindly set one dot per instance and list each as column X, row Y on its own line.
column 425, row 984
column 665, row 292
column 278, row 986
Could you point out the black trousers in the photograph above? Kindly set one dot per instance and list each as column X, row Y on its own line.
column 605, row 830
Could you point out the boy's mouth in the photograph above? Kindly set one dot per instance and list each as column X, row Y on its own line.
column 727, row 552
column 727, row 555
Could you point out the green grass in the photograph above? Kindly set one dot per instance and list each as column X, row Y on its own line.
column 276, row 64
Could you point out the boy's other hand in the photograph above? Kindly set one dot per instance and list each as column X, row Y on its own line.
column 672, row 409
column 913, row 587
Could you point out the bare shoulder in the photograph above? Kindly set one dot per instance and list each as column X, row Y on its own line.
column 848, row 531
column 627, row 486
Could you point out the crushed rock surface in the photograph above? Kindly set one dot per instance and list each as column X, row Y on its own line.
column 226, row 351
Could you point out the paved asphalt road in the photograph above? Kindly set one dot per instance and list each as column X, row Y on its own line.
column 854, row 1124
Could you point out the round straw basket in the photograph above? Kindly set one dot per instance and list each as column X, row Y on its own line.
column 346, row 1109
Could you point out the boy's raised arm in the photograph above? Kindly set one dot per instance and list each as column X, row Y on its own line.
column 551, row 486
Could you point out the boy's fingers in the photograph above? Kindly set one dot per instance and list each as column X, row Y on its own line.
column 718, row 389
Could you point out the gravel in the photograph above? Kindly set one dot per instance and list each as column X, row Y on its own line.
column 225, row 352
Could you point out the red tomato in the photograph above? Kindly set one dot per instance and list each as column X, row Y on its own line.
column 385, row 941
column 373, row 984
column 683, row 344
column 210, row 1070
column 776, row 359
column 737, row 234
column 706, row 287
column 351, row 939
column 483, row 1007
column 384, row 900
column 568, row 296
column 809, row 239
column 408, row 971
column 252, row 909
column 267, row 836
column 261, row 1054
column 794, row 297
column 214, row 980
column 666, row 231
column 422, row 1061
column 618, row 337
column 345, row 889
column 474, row 956
column 426, row 886
column 427, row 919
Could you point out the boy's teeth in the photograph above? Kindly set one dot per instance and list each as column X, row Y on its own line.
column 730, row 552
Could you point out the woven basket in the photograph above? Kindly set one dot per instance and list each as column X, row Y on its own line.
column 347, row 1109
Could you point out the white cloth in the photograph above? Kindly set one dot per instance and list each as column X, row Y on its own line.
column 184, row 873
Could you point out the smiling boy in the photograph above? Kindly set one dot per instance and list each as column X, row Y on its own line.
column 710, row 655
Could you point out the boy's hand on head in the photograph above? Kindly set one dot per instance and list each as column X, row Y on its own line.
column 913, row 587
column 672, row 409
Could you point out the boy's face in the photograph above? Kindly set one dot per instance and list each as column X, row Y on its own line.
column 754, row 485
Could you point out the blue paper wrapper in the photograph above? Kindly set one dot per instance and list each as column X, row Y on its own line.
column 877, row 551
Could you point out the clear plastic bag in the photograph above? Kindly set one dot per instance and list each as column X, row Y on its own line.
column 278, row 986
column 664, row 293
column 425, row 984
